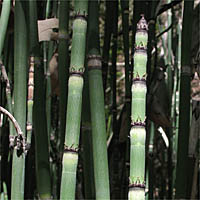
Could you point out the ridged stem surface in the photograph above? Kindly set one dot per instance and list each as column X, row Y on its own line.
column 20, row 91
column 74, row 103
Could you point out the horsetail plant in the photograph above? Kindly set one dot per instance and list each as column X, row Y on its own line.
column 40, row 129
column 184, row 105
column 63, row 60
column 30, row 100
column 74, row 103
column 4, row 22
column 97, row 105
column 20, row 94
column 138, row 132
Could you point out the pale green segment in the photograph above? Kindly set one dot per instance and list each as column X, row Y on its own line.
column 140, row 61
column 74, row 111
column 138, row 194
column 68, row 182
column 99, row 135
column 137, row 157
column 5, row 12
column 20, row 94
column 138, row 101
column 141, row 37
column 81, row 6
column 78, row 46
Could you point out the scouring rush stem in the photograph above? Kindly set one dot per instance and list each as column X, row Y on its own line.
column 138, row 114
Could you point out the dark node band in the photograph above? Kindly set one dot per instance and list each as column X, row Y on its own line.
column 141, row 49
column 94, row 62
column 75, row 72
column 136, row 186
column 139, row 80
column 138, row 124
column 83, row 16
column 71, row 149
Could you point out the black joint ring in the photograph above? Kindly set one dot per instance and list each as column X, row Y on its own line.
column 76, row 73
column 81, row 16
column 141, row 49
column 137, row 186
column 138, row 79
column 70, row 149
column 138, row 124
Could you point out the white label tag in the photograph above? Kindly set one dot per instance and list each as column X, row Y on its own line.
column 45, row 28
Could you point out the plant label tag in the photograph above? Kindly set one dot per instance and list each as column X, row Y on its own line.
column 45, row 28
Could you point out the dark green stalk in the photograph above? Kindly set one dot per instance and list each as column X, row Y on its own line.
column 20, row 91
column 107, row 40
column 74, row 103
column 97, row 106
column 184, row 106
column 125, row 27
column 138, row 115
column 41, row 136
column 150, row 169
column 39, row 114
column 88, row 163
column 176, row 107
column 63, row 61
column 5, row 12
column 151, row 40
column 114, row 148
column 63, row 65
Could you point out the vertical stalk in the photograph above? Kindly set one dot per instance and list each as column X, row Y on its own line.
column 170, row 86
column 30, row 100
column 39, row 114
column 138, row 132
column 97, row 105
column 5, row 12
column 184, row 106
column 20, row 91
column 74, row 104
column 63, row 60
column 107, row 39
column 88, row 164
column 176, row 108
column 150, row 169
column 125, row 27
column 63, row 72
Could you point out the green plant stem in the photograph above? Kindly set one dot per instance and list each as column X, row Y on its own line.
column 97, row 106
column 107, row 40
column 184, row 106
column 20, row 91
column 88, row 163
column 5, row 12
column 39, row 114
column 138, row 132
column 63, row 62
column 74, row 103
